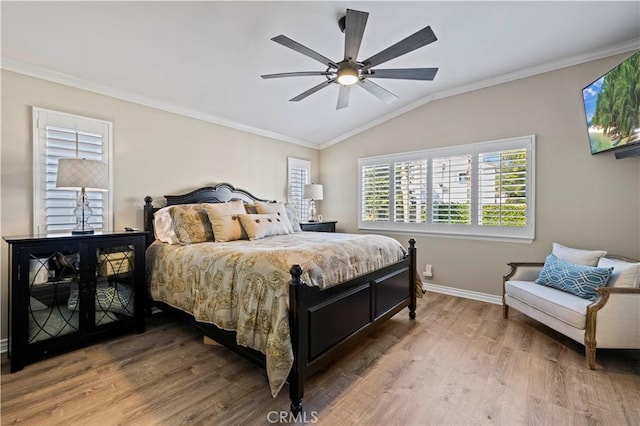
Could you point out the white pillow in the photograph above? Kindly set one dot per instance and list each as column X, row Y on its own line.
column 293, row 219
column 577, row 256
column 258, row 226
column 163, row 226
column 275, row 208
column 625, row 274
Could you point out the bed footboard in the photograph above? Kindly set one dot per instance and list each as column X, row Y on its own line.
column 324, row 322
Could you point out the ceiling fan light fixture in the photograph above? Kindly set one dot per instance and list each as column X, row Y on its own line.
column 347, row 76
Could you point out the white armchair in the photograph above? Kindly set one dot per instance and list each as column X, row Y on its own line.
column 612, row 320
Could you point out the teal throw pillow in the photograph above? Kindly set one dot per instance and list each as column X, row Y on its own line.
column 579, row 280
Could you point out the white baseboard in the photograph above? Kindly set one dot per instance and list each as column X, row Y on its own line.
column 467, row 294
column 4, row 343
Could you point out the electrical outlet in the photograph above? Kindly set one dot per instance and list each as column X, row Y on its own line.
column 428, row 271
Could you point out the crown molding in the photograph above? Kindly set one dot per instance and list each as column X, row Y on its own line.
column 11, row 64
column 14, row 65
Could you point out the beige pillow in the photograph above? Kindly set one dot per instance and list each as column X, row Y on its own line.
column 577, row 256
column 274, row 208
column 258, row 226
column 227, row 228
column 191, row 225
column 625, row 274
column 250, row 208
column 224, row 209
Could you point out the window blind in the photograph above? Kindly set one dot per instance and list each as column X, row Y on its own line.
column 483, row 190
column 299, row 174
column 58, row 135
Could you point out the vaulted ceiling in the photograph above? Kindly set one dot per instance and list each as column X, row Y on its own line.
column 204, row 59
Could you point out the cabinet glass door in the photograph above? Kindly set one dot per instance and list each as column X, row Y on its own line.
column 114, row 296
column 54, row 309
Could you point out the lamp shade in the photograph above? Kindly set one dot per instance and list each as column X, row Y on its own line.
column 77, row 173
column 312, row 191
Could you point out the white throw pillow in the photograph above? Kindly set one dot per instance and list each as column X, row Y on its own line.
column 258, row 226
column 577, row 256
column 163, row 226
column 275, row 208
column 625, row 274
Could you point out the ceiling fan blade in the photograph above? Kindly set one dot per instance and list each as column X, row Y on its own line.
column 343, row 97
column 297, row 74
column 409, row 44
column 379, row 92
column 311, row 91
column 404, row 73
column 291, row 44
column 353, row 32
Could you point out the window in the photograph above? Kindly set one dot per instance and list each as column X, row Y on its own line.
column 482, row 190
column 298, row 175
column 59, row 135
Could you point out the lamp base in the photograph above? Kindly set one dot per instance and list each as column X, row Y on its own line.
column 82, row 232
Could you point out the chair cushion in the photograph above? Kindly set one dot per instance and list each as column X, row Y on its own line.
column 561, row 305
column 579, row 280
column 625, row 274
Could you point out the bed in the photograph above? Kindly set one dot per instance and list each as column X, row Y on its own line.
column 349, row 285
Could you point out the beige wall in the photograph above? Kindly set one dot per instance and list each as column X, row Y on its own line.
column 581, row 200
column 155, row 153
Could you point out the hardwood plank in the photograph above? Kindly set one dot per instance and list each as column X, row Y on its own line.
column 458, row 363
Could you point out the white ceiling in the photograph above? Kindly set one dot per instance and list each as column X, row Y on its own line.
column 204, row 59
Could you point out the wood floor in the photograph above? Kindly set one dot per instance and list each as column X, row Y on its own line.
column 458, row 363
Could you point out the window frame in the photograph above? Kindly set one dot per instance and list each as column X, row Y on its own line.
column 41, row 118
column 300, row 205
column 524, row 234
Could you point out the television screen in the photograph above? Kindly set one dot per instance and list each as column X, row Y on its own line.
column 612, row 107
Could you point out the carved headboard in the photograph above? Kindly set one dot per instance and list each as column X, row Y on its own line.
column 220, row 193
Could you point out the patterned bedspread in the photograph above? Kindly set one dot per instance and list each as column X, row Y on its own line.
column 243, row 285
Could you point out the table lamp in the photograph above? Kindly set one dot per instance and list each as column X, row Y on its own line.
column 78, row 174
column 313, row 192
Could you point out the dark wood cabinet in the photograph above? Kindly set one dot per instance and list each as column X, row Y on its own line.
column 319, row 226
column 68, row 291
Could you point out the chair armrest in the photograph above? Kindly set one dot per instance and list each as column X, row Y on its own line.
column 616, row 315
column 523, row 271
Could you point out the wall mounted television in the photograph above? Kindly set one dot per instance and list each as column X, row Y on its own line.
column 612, row 107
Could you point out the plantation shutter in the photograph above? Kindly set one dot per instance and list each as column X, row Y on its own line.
column 299, row 174
column 56, row 136
column 502, row 189
column 375, row 192
column 451, row 186
column 410, row 191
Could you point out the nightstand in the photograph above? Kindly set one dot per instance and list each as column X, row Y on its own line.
column 66, row 291
column 319, row 226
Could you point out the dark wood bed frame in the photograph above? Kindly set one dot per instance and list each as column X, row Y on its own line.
column 322, row 322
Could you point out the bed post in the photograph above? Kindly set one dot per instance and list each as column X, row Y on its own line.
column 148, row 219
column 299, row 337
column 412, row 278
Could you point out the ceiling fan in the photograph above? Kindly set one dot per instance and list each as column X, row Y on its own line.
column 350, row 71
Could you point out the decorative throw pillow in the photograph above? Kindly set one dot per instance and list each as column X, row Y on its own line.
column 250, row 208
column 274, row 208
column 577, row 256
column 293, row 218
column 224, row 209
column 258, row 226
column 228, row 228
column 625, row 274
column 163, row 226
column 190, row 225
column 579, row 280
